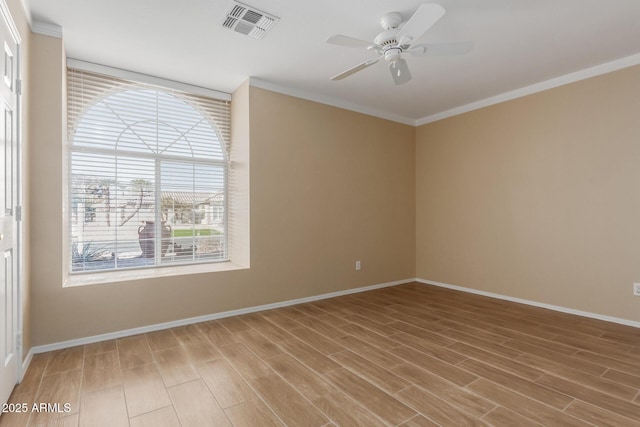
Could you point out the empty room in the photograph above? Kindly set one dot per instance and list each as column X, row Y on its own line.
column 279, row 213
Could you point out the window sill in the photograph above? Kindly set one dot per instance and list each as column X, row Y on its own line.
column 147, row 273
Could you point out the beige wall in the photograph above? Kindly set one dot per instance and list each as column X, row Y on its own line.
column 537, row 198
column 44, row 169
column 239, row 222
column 328, row 187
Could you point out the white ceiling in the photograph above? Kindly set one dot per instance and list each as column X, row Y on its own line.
column 517, row 43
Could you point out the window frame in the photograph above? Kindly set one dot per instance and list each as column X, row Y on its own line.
column 155, row 270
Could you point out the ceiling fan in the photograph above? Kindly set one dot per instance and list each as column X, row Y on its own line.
column 391, row 43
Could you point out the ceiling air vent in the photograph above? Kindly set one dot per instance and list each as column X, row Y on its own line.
column 249, row 21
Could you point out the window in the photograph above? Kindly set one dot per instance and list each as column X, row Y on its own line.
column 147, row 180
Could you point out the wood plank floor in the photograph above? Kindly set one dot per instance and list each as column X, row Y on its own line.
column 410, row 355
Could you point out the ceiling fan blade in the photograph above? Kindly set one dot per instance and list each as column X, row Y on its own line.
column 355, row 69
column 443, row 49
column 424, row 18
column 400, row 71
column 341, row 40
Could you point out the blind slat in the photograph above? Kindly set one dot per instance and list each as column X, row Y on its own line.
column 148, row 174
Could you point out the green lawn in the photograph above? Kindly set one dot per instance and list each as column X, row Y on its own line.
column 198, row 232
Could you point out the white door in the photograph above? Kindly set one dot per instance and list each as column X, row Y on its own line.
column 9, row 359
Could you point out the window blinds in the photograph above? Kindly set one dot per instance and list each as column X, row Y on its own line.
column 148, row 170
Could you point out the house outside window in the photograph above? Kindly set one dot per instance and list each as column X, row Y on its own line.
column 147, row 175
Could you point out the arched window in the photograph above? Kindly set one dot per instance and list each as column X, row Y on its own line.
column 147, row 175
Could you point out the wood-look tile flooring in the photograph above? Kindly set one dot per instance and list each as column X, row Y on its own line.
column 410, row 355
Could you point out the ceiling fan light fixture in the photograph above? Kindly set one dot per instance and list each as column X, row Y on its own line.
column 400, row 71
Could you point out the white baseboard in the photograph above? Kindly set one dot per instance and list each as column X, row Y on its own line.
column 533, row 303
column 183, row 322
column 221, row 315
column 25, row 365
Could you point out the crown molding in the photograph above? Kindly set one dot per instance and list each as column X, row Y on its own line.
column 274, row 87
column 584, row 74
column 54, row 30
column 587, row 73
column 46, row 29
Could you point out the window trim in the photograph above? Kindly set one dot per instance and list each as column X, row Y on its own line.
column 101, row 277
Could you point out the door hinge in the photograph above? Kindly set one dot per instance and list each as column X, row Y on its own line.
column 19, row 86
column 18, row 213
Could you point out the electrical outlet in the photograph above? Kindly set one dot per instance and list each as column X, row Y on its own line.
column 358, row 265
column 636, row 289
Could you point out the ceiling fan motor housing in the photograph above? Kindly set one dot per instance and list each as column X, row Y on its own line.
column 387, row 38
column 389, row 46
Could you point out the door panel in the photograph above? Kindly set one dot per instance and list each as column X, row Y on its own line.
column 9, row 359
